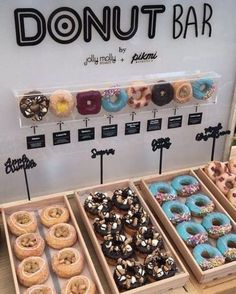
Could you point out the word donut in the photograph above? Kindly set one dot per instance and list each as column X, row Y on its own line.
column 163, row 192
column 89, row 102
column 185, row 185
column 208, row 256
column 61, row 103
column 139, row 95
column 200, row 205
column 225, row 182
column 34, row 105
column 120, row 102
column 192, row 233
column 182, row 92
column 217, row 224
column 227, row 246
column 203, row 89
column 162, row 93
column 176, row 211
column 214, row 169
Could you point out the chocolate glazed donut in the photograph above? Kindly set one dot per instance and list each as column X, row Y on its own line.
column 162, row 93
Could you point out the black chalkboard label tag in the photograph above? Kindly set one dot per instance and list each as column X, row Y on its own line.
column 34, row 142
column 195, row 118
column 60, row 138
column 175, row 122
column 109, row 131
column 132, row 128
column 86, row 134
column 154, row 124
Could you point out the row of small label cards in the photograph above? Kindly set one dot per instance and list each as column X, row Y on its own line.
column 108, row 131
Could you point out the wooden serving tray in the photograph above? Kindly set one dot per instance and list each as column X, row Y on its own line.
column 35, row 206
column 217, row 193
column 206, row 276
column 180, row 278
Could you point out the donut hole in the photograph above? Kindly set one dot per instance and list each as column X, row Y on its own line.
column 216, row 222
column 229, row 184
column 203, row 88
column 231, row 244
column 28, row 242
column 88, row 102
column 163, row 190
column 78, row 287
column 31, row 267
column 67, row 258
column 113, row 98
column 23, row 218
column 191, row 231
column 185, row 182
column 200, row 203
column 61, row 232
column 176, row 210
column 55, row 212
column 206, row 255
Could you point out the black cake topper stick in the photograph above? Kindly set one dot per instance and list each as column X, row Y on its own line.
column 161, row 143
column 214, row 133
column 101, row 153
column 15, row 165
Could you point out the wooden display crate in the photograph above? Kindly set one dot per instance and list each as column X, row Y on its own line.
column 162, row 286
column 34, row 206
column 226, row 270
column 217, row 193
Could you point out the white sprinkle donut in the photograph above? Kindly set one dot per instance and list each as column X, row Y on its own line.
column 225, row 182
column 139, row 95
column 232, row 196
column 214, row 169
column 62, row 103
column 232, row 165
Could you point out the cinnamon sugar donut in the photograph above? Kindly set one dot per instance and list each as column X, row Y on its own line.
column 29, row 244
column 62, row 103
column 232, row 165
column 60, row 236
column 67, row 263
column 22, row 222
column 32, row 271
column 79, row 284
column 214, row 169
column 54, row 215
column 139, row 95
column 40, row 289
column 225, row 182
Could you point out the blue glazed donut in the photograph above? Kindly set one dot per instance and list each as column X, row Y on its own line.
column 185, row 185
column 207, row 256
column 200, row 205
column 192, row 233
column 227, row 246
column 217, row 224
column 118, row 104
column 176, row 211
column 163, row 192
column 203, row 89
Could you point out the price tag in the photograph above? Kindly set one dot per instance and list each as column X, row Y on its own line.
column 60, row 138
column 34, row 142
column 109, row 131
column 86, row 134
column 175, row 122
column 154, row 124
column 132, row 128
column 195, row 118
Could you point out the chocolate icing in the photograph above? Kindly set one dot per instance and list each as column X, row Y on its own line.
column 124, row 198
column 97, row 202
column 162, row 93
column 136, row 217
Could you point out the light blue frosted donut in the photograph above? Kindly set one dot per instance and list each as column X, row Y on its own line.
column 176, row 211
column 227, row 246
column 163, row 192
column 117, row 105
column 185, row 185
column 202, row 89
column 217, row 224
column 192, row 233
column 200, row 205
column 207, row 256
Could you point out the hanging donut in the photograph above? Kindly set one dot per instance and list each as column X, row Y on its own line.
column 162, row 93
column 182, row 91
column 139, row 95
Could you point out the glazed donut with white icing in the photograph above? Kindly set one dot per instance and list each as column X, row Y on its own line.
column 22, row 222
column 54, row 215
column 225, row 182
column 32, row 271
column 214, row 169
column 79, row 284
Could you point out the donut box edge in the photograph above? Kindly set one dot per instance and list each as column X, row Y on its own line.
column 217, row 193
column 177, row 281
column 202, row 277
column 36, row 202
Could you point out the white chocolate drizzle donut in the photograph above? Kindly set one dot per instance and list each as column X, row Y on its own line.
column 22, row 222
column 54, row 215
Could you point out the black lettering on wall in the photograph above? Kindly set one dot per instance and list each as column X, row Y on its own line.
column 20, row 15
column 178, row 12
column 152, row 11
column 191, row 20
column 206, row 18
column 91, row 20
column 121, row 35
column 64, row 25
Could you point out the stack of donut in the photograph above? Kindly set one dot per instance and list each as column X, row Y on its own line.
column 35, row 105
column 224, row 176
column 207, row 232
column 67, row 261
column 126, row 232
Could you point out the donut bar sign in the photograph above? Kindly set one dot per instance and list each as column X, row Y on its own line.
column 65, row 24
